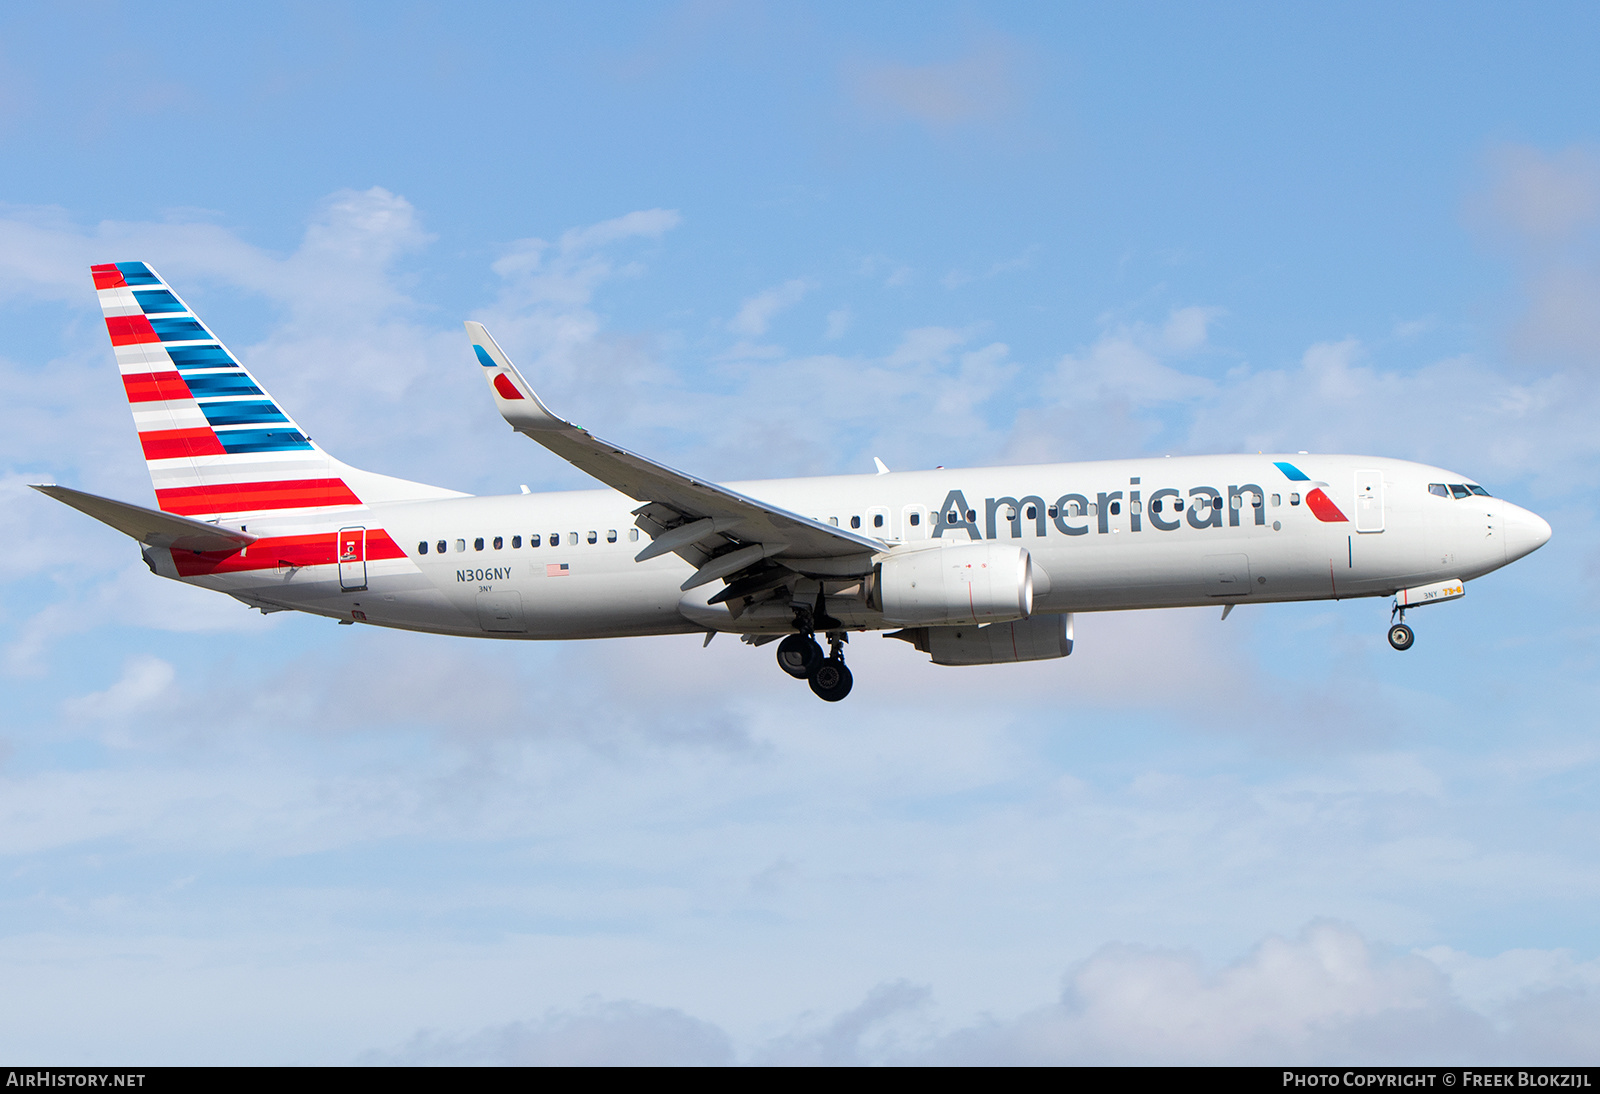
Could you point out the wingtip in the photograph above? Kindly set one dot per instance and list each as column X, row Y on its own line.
column 514, row 397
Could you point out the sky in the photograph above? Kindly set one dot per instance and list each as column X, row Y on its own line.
column 771, row 240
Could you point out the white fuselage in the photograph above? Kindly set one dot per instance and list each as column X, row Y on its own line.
column 1097, row 537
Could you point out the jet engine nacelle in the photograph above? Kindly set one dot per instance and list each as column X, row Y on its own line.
column 1037, row 638
column 940, row 586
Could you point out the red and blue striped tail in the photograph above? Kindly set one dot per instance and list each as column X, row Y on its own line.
column 215, row 442
column 217, row 445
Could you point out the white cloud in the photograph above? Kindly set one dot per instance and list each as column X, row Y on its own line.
column 1186, row 329
column 1562, row 321
column 144, row 679
column 980, row 86
column 640, row 224
column 1545, row 207
column 1126, row 364
column 1328, row 996
column 1543, row 197
column 757, row 313
column 613, row 1034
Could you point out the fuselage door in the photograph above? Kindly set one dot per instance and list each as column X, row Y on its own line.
column 352, row 553
column 1369, row 501
column 878, row 523
column 913, row 523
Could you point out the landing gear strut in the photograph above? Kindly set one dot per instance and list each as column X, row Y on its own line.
column 1400, row 636
column 831, row 680
column 801, row 657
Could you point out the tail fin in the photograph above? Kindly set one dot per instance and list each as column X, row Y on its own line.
column 215, row 442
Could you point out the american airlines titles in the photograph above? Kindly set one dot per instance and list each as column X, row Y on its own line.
column 1072, row 513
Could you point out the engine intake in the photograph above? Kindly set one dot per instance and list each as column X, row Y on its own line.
column 942, row 586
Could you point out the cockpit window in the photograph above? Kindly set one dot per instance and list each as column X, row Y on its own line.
column 1460, row 491
column 1438, row 489
column 1478, row 490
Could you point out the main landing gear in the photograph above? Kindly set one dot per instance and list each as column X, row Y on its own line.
column 801, row 657
column 1401, row 636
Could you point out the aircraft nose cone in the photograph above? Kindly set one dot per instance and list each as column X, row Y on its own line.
column 1525, row 532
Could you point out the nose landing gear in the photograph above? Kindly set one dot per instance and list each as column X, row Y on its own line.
column 1401, row 636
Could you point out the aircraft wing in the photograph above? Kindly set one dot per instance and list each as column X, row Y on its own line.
column 151, row 527
column 718, row 530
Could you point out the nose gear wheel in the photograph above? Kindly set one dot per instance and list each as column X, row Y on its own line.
column 1401, row 636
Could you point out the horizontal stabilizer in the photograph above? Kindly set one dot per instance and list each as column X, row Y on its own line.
column 152, row 527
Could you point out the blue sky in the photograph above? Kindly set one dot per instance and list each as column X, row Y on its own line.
column 779, row 240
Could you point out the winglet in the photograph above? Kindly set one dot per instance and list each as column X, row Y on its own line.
column 514, row 397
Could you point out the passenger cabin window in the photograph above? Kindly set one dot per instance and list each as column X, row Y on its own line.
column 1033, row 512
column 1459, row 491
column 516, row 541
column 611, row 535
column 477, row 544
column 533, row 540
column 441, row 546
column 855, row 522
column 633, row 535
column 1134, row 507
column 1438, row 490
column 877, row 520
column 834, row 521
column 422, row 548
column 1116, row 508
column 594, row 537
column 1277, row 500
column 461, row 544
column 916, row 519
column 1155, row 506
column 1255, row 501
column 572, row 538
column 1294, row 499
column 498, row 543
column 555, row 539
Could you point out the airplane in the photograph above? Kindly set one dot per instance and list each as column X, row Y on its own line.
column 972, row 566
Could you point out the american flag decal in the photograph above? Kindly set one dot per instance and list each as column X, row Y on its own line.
column 556, row 569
